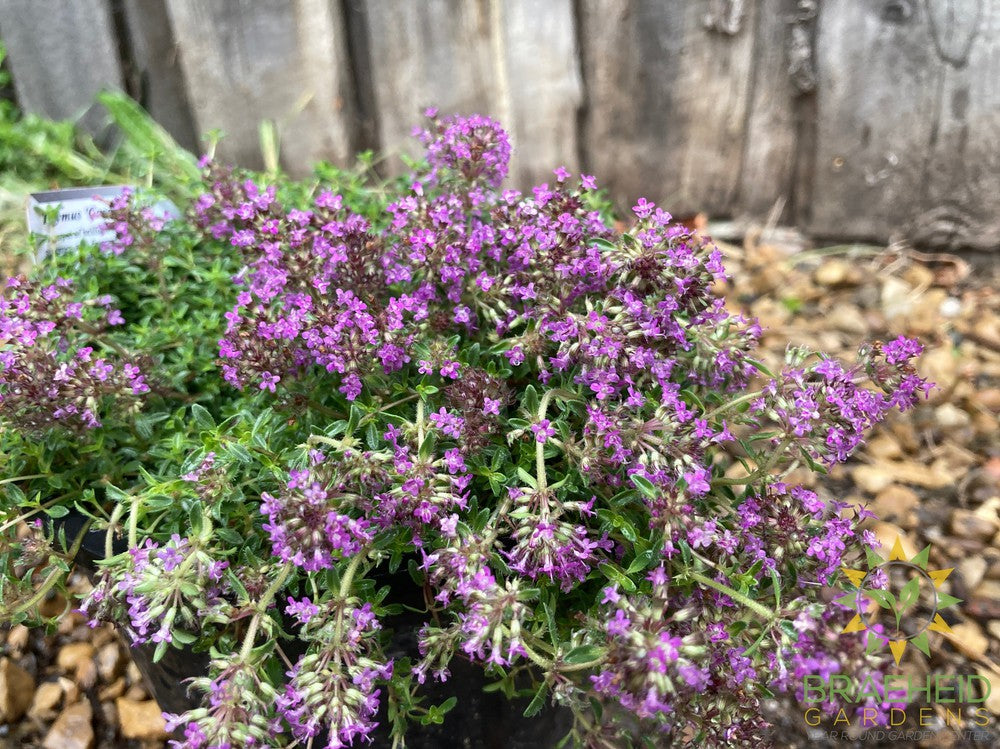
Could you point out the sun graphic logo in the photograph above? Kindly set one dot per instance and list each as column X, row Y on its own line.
column 903, row 590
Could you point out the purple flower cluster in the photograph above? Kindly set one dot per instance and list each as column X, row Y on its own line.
column 486, row 614
column 305, row 527
column 826, row 409
column 538, row 406
column 237, row 712
column 53, row 369
column 169, row 588
column 333, row 686
column 474, row 148
column 135, row 227
column 546, row 543
column 663, row 666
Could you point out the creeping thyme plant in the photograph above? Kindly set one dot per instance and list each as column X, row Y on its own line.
column 304, row 392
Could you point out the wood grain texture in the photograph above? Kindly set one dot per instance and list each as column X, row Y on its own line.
column 61, row 55
column 156, row 65
column 248, row 61
column 537, row 47
column 514, row 60
column 909, row 122
column 667, row 101
column 767, row 172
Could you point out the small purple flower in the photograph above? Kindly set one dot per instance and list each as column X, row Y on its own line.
column 543, row 430
column 268, row 381
column 303, row 610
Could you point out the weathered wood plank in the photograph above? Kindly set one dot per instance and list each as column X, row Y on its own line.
column 767, row 177
column 515, row 61
column 667, row 100
column 61, row 55
column 544, row 87
column 909, row 121
column 156, row 63
column 247, row 61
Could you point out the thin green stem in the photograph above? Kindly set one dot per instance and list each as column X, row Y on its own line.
column 24, row 478
column 343, row 444
column 109, row 537
column 261, row 612
column 762, row 472
column 536, row 658
column 731, row 404
column 420, row 422
column 352, row 568
column 25, row 516
column 540, row 476
column 51, row 580
column 569, row 668
column 399, row 402
column 133, row 522
column 759, row 609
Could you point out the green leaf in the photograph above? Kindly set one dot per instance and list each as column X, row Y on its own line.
column 612, row 572
column 921, row 644
column 538, row 701
column 240, row 452
column 202, row 417
column 161, row 650
column 57, row 511
column 427, row 446
column 550, row 615
column 944, row 600
column 644, row 485
column 530, row 400
column 526, row 477
column 354, row 418
column 583, row 654
column 182, row 637
column 776, row 580
column 372, row 436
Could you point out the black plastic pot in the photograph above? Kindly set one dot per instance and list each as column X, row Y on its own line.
column 480, row 720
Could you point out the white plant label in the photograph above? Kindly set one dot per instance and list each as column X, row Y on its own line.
column 79, row 218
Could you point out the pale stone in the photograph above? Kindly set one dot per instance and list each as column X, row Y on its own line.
column 72, row 729
column 16, row 690
column 140, row 720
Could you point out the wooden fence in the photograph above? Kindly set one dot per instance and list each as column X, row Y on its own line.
column 857, row 119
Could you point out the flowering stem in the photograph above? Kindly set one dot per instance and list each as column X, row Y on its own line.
column 112, row 522
column 583, row 666
column 348, row 578
column 751, row 604
column 50, row 581
column 262, row 604
column 420, row 422
column 540, row 446
column 761, row 472
column 343, row 444
column 23, row 478
column 133, row 523
column 25, row 516
column 47, row 584
column 536, row 658
column 399, row 402
column 735, row 402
